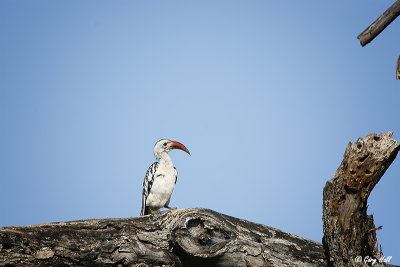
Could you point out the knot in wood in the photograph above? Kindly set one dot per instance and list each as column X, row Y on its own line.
column 203, row 236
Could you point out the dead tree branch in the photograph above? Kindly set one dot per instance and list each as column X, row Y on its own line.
column 348, row 230
column 380, row 24
column 184, row 237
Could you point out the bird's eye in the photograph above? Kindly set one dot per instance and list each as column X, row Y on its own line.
column 165, row 144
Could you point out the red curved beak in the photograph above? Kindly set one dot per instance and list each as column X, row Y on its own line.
column 175, row 144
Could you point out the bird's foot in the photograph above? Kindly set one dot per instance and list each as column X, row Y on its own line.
column 170, row 208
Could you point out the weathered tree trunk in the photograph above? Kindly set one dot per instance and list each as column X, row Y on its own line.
column 183, row 237
column 380, row 24
column 348, row 230
column 398, row 69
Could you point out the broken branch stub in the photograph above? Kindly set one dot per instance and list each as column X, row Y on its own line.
column 348, row 230
column 380, row 24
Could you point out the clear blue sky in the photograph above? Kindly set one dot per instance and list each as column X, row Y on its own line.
column 265, row 94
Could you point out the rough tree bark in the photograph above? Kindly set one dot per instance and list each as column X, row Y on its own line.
column 348, row 230
column 380, row 24
column 398, row 69
column 183, row 237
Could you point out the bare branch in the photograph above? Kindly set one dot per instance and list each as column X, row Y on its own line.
column 380, row 24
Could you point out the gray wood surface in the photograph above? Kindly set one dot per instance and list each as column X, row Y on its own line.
column 348, row 230
column 182, row 237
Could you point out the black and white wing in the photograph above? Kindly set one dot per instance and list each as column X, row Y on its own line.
column 147, row 184
column 176, row 177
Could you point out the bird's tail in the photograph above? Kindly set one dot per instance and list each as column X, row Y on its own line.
column 145, row 211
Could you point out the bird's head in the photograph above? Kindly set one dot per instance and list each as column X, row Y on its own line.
column 165, row 145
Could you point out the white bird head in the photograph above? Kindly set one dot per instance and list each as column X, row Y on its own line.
column 165, row 145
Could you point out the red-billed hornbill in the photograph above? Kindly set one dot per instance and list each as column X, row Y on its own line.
column 160, row 178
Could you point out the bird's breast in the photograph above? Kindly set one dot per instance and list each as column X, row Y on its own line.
column 163, row 185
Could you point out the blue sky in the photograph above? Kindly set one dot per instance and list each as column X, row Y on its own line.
column 266, row 96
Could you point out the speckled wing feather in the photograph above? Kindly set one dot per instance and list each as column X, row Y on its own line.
column 147, row 184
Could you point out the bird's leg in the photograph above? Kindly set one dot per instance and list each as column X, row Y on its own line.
column 168, row 207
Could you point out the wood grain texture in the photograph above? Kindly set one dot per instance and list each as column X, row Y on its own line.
column 380, row 24
column 348, row 230
column 183, row 237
